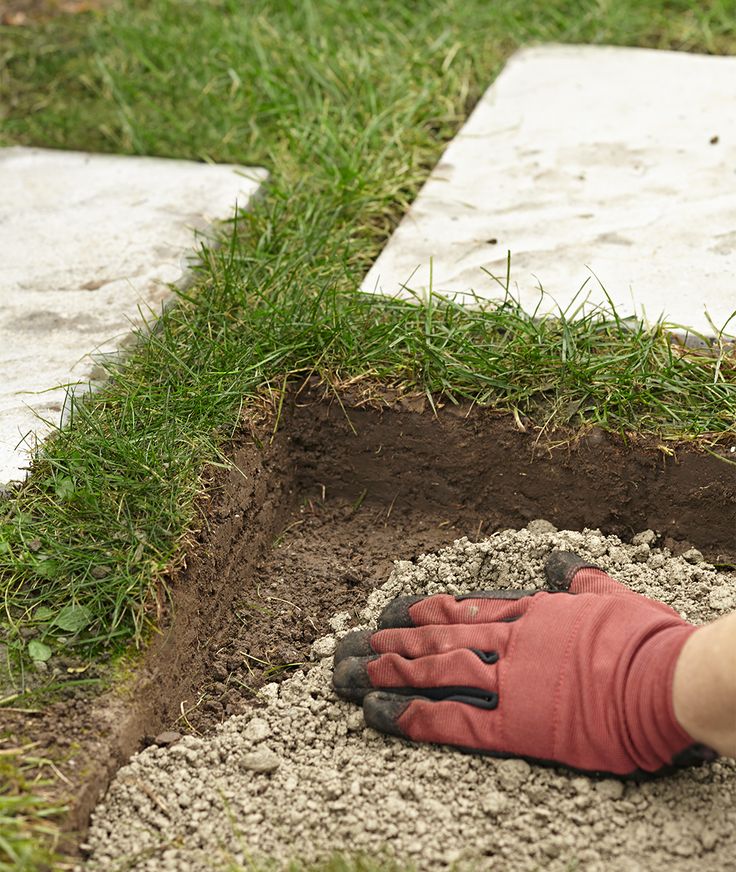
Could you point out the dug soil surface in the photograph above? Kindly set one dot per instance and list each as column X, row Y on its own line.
column 300, row 777
column 328, row 557
column 306, row 524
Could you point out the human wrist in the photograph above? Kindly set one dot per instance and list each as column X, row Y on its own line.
column 704, row 685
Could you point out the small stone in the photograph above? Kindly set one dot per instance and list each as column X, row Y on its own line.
column 646, row 537
column 595, row 436
column 324, row 647
column 610, row 789
column 597, row 548
column 540, row 527
column 493, row 802
column 34, row 545
column 340, row 622
column 692, row 555
column 269, row 692
column 708, row 839
column 640, row 554
column 684, row 847
column 552, row 848
column 257, row 730
column 100, row 571
column 181, row 752
column 355, row 721
column 168, row 737
column 262, row 760
column 723, row 598
column 513, row 773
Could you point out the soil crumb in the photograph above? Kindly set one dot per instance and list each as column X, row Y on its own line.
column 300, row 778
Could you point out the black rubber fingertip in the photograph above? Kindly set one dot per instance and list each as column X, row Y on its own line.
column 383, row 710
column 561, row 566
column 488, row 657
column 350, row 678
column 694, row 755
column 396, row 613
column 355, row 644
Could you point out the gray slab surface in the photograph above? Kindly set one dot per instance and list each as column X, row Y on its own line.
column 586, row 161
column 87, row 242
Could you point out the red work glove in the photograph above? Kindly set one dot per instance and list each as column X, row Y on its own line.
column 581, row 676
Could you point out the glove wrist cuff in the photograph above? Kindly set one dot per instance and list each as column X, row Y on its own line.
column 657, row 738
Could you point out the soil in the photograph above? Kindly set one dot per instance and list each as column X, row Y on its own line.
column 306, row 524
column 328, row 558
column 302, row 778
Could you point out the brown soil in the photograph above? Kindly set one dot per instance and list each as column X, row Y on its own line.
column 307, row 523
column 328, row 557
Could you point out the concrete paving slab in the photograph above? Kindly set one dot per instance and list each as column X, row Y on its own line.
column 87, row 244
column 586, row 162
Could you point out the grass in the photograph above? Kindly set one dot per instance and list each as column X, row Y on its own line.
column 349, row 105
column 27, row 830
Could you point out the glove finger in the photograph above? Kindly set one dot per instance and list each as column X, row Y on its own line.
column 441, row 639
column 354, row 644
column 421, row 641
column 421, row 720
column 464, row 668
column 567, row 571
column 478, row 607
column 463, row 673
column 598, row 582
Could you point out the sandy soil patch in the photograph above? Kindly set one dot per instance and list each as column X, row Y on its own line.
column 300, row 776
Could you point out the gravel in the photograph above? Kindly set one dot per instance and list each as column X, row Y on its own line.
column 301, row 777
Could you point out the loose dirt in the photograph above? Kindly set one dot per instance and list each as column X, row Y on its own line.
column 300, row 777
column 325, row 558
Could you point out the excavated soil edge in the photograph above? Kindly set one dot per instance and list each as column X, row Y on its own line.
column 315, row 517
column 477, row 464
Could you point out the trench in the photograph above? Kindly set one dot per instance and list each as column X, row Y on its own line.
column 306, row 523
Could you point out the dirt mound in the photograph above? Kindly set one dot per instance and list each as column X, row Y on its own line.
column 301, row 778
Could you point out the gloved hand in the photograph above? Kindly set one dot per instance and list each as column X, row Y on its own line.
column 581, row 676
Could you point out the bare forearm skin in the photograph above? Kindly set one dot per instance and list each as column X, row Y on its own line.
column 704, row 687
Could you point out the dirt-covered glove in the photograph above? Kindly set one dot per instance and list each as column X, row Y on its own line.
column 580, row 676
